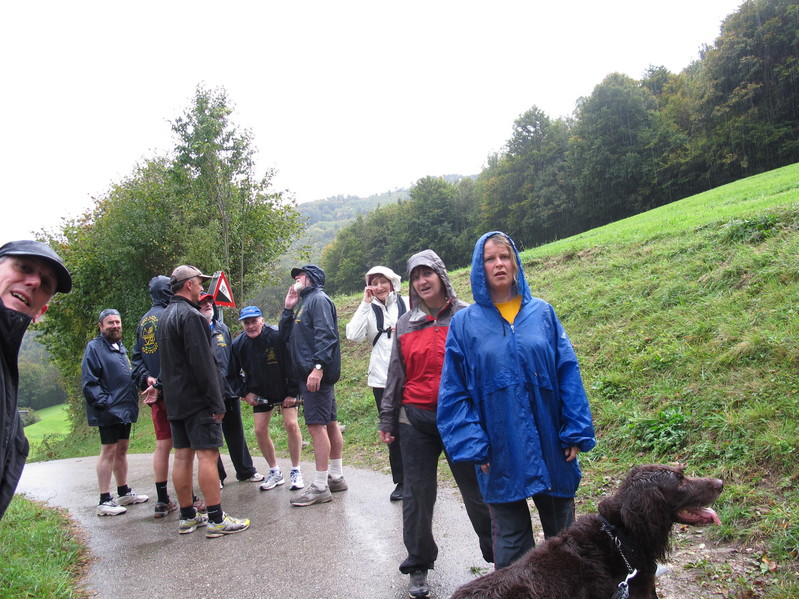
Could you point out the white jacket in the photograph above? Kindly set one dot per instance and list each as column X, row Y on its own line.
column 364, row 326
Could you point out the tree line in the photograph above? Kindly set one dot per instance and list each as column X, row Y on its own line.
column 631, row 146
column 201, row 203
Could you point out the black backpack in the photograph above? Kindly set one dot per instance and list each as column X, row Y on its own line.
column 379, row 318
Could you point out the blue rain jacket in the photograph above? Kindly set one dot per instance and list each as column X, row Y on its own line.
column 512, row 395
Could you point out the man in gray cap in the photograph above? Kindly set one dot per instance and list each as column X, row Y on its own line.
column 112, row 405
column 30, row 274
column 192, row 386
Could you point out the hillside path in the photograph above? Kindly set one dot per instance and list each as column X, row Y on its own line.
column 349, row 548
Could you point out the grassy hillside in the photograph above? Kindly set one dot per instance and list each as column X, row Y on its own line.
column 53, row 421
column 685, row 322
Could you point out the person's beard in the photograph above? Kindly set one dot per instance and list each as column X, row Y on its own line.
column 209, row 316
column 298, row 286
column 113, row 336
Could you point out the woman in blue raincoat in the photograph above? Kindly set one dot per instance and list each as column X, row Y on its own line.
column 512, row 401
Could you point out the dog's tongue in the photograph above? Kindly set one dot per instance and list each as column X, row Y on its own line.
column 698, row 516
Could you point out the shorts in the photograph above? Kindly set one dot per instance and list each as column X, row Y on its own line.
column 114, row 432
column 319, row 406
column 198, row 431
column 265, row 407
column 160, row 421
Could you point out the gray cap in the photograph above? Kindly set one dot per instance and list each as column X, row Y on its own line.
column 29, row 247
column 106, row 313
column 184, row 273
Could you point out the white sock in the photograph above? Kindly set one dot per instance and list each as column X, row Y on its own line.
column 320, row 479
column 276, row 469
column 336, row 471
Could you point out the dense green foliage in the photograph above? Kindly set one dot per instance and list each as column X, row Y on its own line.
column 39, row 381
column 202, row 206
column 631, row 146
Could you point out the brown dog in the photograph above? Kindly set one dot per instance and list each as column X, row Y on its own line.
column 594, row 557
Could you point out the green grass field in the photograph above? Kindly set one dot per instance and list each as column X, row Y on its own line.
column 685, row 320
column 54, row 422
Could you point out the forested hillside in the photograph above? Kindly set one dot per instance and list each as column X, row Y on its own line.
column 631, row 145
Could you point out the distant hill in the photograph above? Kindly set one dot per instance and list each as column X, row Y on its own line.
column 325, row 217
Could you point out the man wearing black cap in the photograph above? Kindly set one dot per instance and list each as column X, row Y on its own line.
column 192, row 386
column 30, row 274
column 112, row 405
column 309, row 326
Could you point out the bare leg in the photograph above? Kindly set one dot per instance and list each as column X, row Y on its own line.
column 294, row 435
column 336, row 440
column 321, row 444
column 262, row 420
column 105, row 465
column 183, row 474
column 208, row 475
column 161, row 459
column 120, row 467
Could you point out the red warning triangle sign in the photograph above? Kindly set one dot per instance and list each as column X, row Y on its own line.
column 220, row 289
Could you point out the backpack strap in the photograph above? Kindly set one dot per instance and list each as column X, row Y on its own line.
column 401, row 309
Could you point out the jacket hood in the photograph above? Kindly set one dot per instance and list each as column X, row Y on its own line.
column 160, row 291
column 315, row 274
column 480, row 290
column 395, row 279
column 430, row 259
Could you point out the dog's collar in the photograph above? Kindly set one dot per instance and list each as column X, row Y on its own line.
column 622, row 540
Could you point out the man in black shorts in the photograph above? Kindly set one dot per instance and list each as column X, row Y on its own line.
column 259, row 370
column 309, row 326
column 112, row 405
column 192, row 387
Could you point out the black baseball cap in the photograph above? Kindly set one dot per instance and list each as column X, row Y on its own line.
column 29, row 247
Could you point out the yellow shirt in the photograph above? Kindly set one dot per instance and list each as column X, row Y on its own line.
column 510, row 309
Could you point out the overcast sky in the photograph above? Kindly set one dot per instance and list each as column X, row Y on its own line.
column 346, row 97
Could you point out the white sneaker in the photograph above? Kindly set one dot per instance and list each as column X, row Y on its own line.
column 130, row 498
column 274, row 479
column 110, row 508
column 297, row 481
column 255, row 478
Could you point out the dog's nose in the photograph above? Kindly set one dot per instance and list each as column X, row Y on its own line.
column 718, row 484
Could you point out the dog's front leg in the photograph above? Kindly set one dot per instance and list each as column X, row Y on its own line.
column 642, row 586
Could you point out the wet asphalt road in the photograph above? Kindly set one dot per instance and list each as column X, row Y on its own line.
column 348, row 548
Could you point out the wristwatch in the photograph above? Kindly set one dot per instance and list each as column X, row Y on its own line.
column 318, row 367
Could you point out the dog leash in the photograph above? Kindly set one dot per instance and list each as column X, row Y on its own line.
column 623, row 591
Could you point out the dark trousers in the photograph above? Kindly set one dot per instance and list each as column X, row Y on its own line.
column 513, row 529
column 394, row 451
column 233, row 430
column 421, row 449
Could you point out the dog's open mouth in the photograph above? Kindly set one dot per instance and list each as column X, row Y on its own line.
column 700, row 516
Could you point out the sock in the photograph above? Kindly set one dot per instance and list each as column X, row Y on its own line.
column 215, row 513
column 105, row 497
column 336, row 471
column 187, row 513
column 160, row 489
column 295, row 468
column 275, row 470
column 123, row 490
column 320, row 479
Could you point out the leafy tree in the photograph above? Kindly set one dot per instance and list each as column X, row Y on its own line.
column 203, row 206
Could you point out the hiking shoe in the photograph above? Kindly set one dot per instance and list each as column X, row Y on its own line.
column 130, row 498
column 110, row 508
column 274, row 479
column 199, row 505
column 312, row 495
column 418, row 587
column 192, row 524
column 297, row 482
column 228, row 526
column 336, row 484
column 255, row 478
column 162, row 509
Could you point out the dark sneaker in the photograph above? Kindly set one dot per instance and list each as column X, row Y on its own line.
column 192, row 524
column 130, row 498
column 110, row 508
column 336, row 484
column 396, row 494
column 162, row 509
column 418, row 587
column 228, row 526
column 312, row 495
